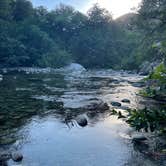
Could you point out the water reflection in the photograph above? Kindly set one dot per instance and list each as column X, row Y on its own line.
column 38, row 110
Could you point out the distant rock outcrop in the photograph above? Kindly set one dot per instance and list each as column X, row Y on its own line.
column 75, row 67
column 147, row 67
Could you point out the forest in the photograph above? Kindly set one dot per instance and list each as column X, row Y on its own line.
column 36, row 37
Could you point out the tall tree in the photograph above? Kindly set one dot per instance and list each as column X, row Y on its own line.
column 5, row 8
column 22, row 10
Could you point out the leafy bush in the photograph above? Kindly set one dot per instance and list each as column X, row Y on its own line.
column 159, row 73
column 148, row 120
column 56, row 58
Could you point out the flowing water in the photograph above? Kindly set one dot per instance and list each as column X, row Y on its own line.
column 38, row 108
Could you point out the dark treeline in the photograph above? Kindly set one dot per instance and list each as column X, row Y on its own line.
column 37, row 37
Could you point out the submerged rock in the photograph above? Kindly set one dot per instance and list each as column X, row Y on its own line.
column 126, row 101
column 138, row 84
column 3, row 163
column 17, row 156
column 101, row 106
column 82, row 121
column 4, row 156
column 116, row 104
column 7, row 141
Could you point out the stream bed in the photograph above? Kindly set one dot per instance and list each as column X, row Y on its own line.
column 38, row 110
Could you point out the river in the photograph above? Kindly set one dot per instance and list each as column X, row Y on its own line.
column 34, row 105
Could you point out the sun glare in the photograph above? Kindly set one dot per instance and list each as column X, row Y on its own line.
column 118, row 7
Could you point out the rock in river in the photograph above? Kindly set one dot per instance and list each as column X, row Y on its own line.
column 17, row 156
column 116, row 104
column 4, row 156
column 82, row 121
column 126, row 101
column 138, row 138
column 97, row 106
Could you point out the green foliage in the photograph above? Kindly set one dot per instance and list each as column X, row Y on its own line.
column 22, row 10
column 148, row 92
column 159, row 73
column 37, row 37
column 156, row 83
column 5, row 9
column 56, row 58
column 148, row 120
column 151, row 23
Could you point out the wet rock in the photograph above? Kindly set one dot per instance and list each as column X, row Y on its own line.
column 1, row 77
column 3, row 163
column 126, row 101
column 101, row 106
column 7, row 141
column 17, row 156
column 138, row 138
column 120, row 115
column 4, row 156
column 124, row 108
column 138, row 84
column 116, row 104
column 82, row 121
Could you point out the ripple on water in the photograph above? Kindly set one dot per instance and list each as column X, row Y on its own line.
column 43, row 120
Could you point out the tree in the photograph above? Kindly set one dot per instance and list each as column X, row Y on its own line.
column 22, row 10
column 152, row 20
column 5, row 8
column 99, row 16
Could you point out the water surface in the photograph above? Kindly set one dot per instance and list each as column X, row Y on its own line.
column 38, row 108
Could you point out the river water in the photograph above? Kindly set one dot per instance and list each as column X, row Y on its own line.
column 34, row 106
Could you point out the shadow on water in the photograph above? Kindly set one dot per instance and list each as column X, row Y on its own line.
column 38, row 113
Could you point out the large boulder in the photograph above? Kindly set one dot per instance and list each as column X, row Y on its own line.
column 75, row 67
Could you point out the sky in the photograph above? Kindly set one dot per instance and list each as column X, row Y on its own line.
column 116, row 7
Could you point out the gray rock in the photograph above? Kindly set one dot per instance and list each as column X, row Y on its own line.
column 82, row 121
column 97, row 106
column 147, row 67
column 139, row 138
column 126, row 101
column 1, row 77
column 4, row 156
column 103, row 106
column 17, row 156
column 3, row 163
column 138, row 84
column 116, row 104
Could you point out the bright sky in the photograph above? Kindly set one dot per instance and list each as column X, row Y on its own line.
column 116, row 7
